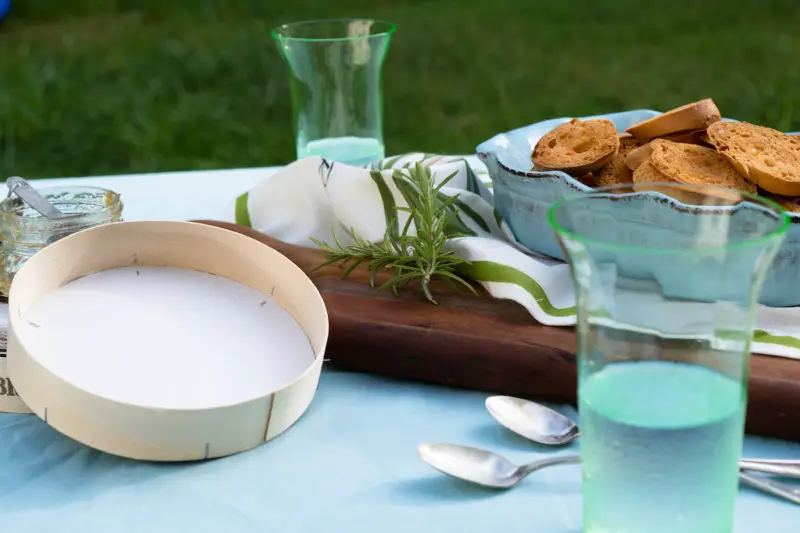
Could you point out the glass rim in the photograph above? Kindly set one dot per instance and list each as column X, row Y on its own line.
column 785, row 220
column 276, row 31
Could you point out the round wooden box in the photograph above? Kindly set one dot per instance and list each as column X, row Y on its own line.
column 165, row 341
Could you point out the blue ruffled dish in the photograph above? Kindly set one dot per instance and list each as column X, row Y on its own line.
column 522, row 197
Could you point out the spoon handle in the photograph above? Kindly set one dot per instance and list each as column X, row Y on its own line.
column 31, row 196
column 526, row 469
column 767, row 485
column 771, row 486
column 783, row 462
column 778, row 469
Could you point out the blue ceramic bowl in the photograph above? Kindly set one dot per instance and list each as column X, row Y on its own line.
column 523, row 202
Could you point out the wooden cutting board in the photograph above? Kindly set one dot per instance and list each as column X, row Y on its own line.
column 479, row 342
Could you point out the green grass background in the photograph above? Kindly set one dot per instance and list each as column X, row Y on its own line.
column 93, row 87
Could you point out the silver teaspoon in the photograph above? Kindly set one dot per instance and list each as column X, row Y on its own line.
column 489, row 469
column 543, row 425
column 483, row 467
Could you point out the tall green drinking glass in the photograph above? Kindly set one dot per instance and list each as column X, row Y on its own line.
column 337, row 104
column 666, row 278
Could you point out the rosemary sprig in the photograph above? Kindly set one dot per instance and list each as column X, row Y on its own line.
column 420, row 257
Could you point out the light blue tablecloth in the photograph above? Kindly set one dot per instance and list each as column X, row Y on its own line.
column 349, row 466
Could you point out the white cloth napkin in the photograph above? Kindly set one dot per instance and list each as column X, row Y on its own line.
column 313, row 198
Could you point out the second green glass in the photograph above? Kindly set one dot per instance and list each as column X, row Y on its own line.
column 335, row 68
column 666, row 279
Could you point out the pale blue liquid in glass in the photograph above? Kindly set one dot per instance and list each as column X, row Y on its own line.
column 354, row 151
column 660, row 444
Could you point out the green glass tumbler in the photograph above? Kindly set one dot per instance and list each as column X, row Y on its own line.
column 666, row 281
column 337, row 102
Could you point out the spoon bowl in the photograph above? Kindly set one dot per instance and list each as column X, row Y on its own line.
column 533, row 421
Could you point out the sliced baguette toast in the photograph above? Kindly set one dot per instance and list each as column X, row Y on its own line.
column 764, row 156
column 696, row 165
column 688, row 137
column 640, row 154
column 688, row 118
column 577, row 147
column 791, row 205
column 617, row 172
column 647, row 173
column 588, row 179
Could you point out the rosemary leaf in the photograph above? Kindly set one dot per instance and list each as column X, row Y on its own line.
column 420, row 256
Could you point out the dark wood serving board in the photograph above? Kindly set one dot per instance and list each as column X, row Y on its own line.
column 479, row 342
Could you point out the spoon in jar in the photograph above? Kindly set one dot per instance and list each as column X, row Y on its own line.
column 32, row 197
column 489, row 469
column 543, row 425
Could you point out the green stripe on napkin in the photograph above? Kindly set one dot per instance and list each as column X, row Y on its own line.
column 242, row 214
column 489, row 271
column 472, row 179
column 760, row 335
column 467, row 210
column 389, row 207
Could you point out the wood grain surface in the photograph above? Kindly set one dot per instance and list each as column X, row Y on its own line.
column 483, row 343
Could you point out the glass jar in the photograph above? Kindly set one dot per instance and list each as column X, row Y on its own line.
column 24, row 232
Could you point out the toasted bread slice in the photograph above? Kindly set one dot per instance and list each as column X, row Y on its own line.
column 647, row 173
column 577, row 147
column 764, row 156
column 589, row 179
column 687, row 118
column 688, row 137
column 637, row 156
column 617, row 172
column 640, row 154
column 696, row 165
column 791, row 205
